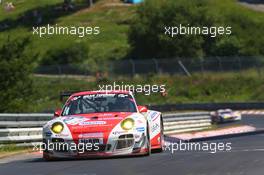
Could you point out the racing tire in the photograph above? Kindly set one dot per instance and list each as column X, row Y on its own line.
column 48, row 158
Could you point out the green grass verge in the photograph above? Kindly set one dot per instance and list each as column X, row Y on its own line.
column 12, row 149
column 218, row 87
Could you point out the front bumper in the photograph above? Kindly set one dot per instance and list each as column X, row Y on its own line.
column 125, row 144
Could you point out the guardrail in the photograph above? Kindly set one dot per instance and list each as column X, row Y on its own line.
column 184, row 122
column 27, row 128
column 208, row 106
column 22, row 128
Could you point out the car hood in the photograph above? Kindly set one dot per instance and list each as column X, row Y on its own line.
column 96, row 122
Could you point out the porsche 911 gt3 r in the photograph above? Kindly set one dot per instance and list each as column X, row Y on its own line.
column 97, row 123
column 225, row 115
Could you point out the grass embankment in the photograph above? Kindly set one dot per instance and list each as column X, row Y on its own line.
column 114, row 18
column 217, row 87
column 111, row 16
column 10, row 149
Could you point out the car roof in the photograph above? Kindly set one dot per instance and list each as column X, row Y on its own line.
column 224, row 110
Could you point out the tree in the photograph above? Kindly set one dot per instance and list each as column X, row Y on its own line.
column 148, row 39
column 147, row 36
column 15, row 69
column 73, row 54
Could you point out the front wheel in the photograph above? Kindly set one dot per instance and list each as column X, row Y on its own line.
column 46, row 157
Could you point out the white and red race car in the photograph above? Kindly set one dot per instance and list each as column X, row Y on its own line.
column 225, row 115
column 102, row 123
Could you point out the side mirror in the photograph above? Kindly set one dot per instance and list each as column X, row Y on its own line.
column 57, row 113
column 142, row 109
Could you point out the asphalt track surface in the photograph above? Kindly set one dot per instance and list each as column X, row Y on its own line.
column 245, row 158
column 256, row 121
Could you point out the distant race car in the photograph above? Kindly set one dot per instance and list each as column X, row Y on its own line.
column 98, row 123
column 225, row 115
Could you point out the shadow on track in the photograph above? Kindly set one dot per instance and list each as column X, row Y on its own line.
column 37, row 160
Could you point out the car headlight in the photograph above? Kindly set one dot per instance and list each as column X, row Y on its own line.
column 127, row 124
column 57, row 127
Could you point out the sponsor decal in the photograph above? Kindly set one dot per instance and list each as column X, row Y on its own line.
column 61, row 135
column 107, row 114
column 158, row 139
column 92, row 96
column 75, row 98
column 48, row 134
column 154, row 116
column 154, row 127
column 92, row 135
column 119, row 132
column 140, row 129
column 91, row 140
column 93, row 123
column 74, row 120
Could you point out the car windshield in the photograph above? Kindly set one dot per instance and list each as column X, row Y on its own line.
column 95, row 103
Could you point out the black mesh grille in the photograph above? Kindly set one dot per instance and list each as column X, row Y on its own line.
column 98, row 148
column 125, row 141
